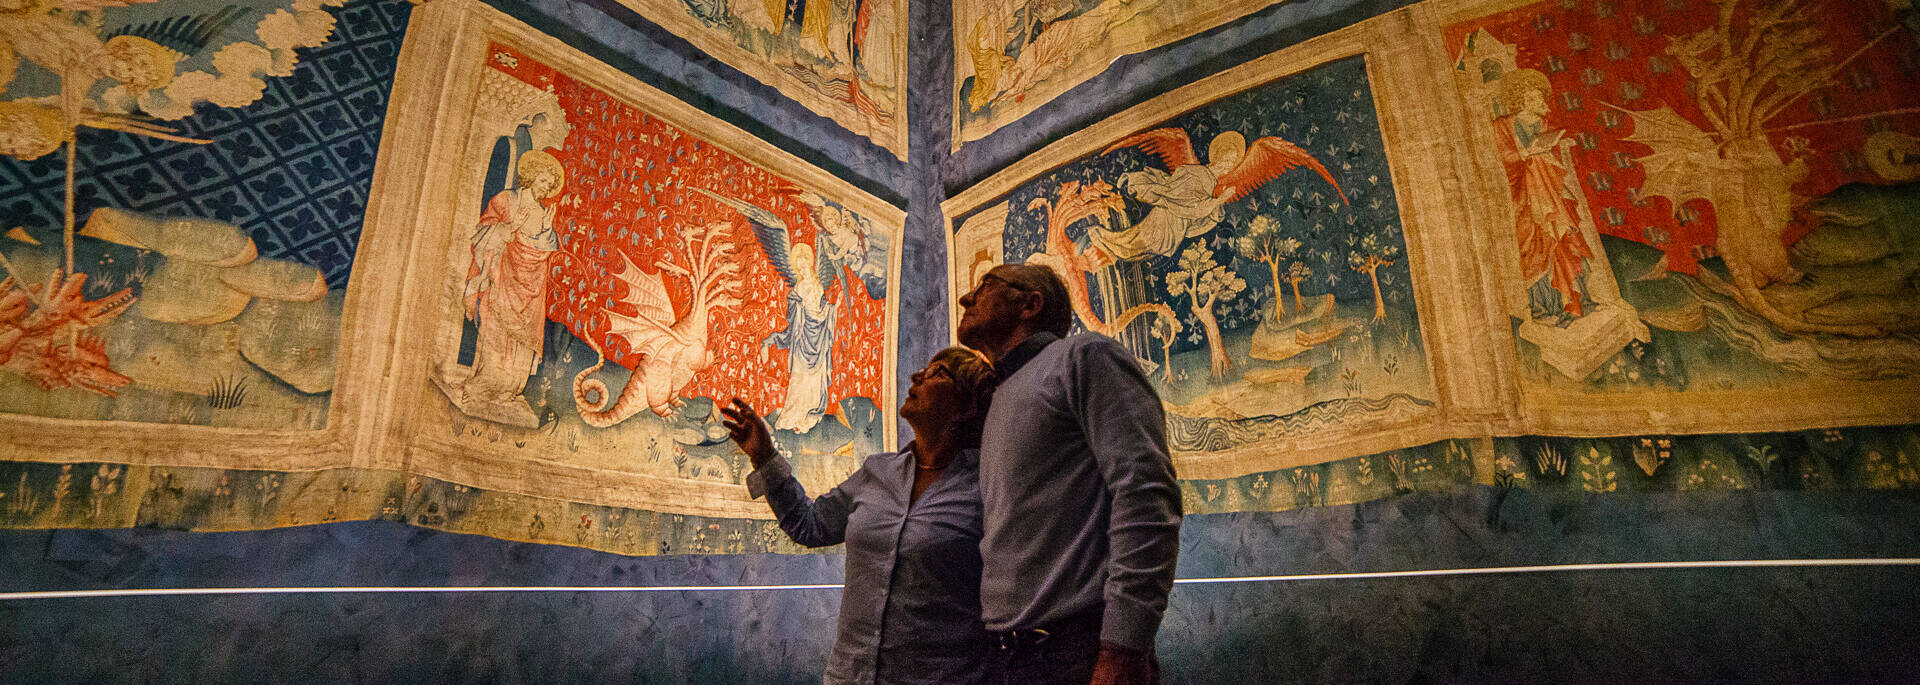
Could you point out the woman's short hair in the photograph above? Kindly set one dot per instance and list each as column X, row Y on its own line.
column 975, row 379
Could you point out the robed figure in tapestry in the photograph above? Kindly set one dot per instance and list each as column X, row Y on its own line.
column 506, row 287
column 1733, row 170
column 1547, row 199
column 809, row 272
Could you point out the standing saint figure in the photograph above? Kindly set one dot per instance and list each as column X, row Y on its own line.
column 1553, row 255
column 506, row 287
column 808, row 340
column 809, row 271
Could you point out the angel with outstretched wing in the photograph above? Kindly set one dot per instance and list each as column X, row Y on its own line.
column 1189, row 197
column 847, row 240
column 808, row 336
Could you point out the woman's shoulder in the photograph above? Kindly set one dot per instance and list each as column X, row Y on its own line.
column 881, row 462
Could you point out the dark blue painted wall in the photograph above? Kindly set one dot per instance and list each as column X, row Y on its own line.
column 1782, row 624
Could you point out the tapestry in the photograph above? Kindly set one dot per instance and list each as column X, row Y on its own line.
column 844, row 59
column 267, row 264
column 1248, row 249
column 183, row 187
column 615, row 265
column 1011, row 56
column 1707, row 211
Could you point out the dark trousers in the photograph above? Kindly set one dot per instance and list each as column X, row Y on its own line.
column 1060, row 653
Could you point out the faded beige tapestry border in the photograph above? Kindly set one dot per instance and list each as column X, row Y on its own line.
column 396, row 306
column 1475, row 191
column 1190, row 19
column 1465, row 405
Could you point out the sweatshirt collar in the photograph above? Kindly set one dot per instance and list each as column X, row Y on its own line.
column 1010, row 363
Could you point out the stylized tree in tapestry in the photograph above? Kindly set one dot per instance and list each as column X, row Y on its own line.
column 1751, row 66
column 1166, row 329
column 1264, row 243
column 1205, row 282
column 1297, row 272
column 1372, row 254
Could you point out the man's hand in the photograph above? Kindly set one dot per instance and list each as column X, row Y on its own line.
column 748, row 431
column 1119, row 665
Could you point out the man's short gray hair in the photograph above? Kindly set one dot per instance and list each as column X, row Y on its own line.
column 1056, row 311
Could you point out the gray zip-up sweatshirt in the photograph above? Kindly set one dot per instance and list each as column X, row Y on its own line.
column 1077, row 489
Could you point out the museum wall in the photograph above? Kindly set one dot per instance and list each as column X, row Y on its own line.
column 282, row 371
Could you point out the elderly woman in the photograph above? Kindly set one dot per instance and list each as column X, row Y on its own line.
column 911, row 521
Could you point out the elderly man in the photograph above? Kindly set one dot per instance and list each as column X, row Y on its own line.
column 1082, row 516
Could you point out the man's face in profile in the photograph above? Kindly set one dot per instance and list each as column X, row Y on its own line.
column 991, row 310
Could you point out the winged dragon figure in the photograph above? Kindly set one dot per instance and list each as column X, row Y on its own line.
column 45, row 336
column 1074, row 202
column 1749, row 73
column 671, row 350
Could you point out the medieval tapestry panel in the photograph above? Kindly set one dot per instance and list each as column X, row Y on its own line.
column 844, row 59
column 1011, row 56
column 184, row 187
column 613, row 264
column 1244, row 237
column 1707, row 210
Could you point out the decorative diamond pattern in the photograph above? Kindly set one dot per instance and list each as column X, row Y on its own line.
column 293, row 169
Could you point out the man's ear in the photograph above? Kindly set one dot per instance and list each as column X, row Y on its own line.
column 1030, row 309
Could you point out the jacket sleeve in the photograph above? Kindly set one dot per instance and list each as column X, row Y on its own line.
column 1126, row 430
column 817, row 522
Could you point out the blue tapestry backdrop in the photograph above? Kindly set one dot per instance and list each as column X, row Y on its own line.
column 293, row 169
column 200, row 230
column 1327, row 111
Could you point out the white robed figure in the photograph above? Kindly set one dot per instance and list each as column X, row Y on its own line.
column 808, row 336
column 808, row 340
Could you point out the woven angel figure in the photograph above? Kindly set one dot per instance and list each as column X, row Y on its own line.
column 808, row 336
column 1188, row 198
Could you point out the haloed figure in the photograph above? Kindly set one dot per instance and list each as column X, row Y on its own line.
column 1553, row 255
column 808, row 339
column 911, row 521
column 506, row 289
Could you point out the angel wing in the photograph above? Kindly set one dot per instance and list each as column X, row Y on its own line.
column 189, row 34
column 1266, row 159
column 651, row 326
column 1685, row 161
column 1169, row 144
column 772, row 234
column 825, row 266
column 873, row 261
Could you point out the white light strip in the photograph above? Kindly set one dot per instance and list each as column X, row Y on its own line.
column 1622, row 566
column 154, row 592
column 1495, row 570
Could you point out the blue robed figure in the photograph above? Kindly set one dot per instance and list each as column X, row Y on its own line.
column 810, row 271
